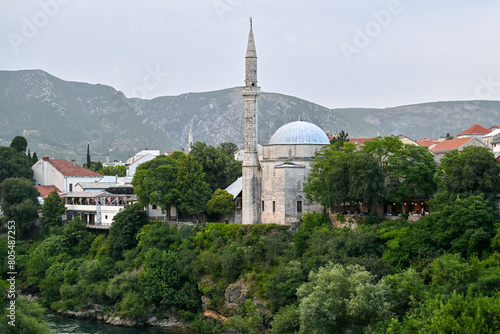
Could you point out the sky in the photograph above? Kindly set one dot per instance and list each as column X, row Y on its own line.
column 337, row 53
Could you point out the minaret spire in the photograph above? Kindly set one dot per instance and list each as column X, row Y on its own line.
column 251, row 188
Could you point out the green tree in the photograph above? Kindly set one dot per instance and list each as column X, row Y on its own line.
column 113, row 170
column 457, row 313
column 29, row 318
column 191, row 189
column 221, row 203
column 408, row 169
column 19, row 143
column 343, row 175
column 471, row 171
column 340, row 298
column 155, row 181
column 338, row 141
column 89, row 161
column 14, row 164
column 123, row 231
column 19, row 202
column 34, row 159
column 52, row 209
column 411, row 172
column 328, row 181
column 466, row 226
column 218, row 163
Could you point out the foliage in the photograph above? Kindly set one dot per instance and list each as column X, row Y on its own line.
column 218, row 163
column 52, row 209
column 19, row 202
column 191, row 189
column 14, row 164
column 456, row 313
column 123, row 231
column 221, row 203
column 155, row 181
column 408, row 169
column 28, row 319
column 120, row 170
column 19, row 143
column 344, row 175
column 339, row 298
column 338, row 141
column 471, row 171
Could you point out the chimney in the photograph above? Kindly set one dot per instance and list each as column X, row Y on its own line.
column 73, row 162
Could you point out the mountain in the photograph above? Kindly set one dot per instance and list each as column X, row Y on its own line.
column 59, row 118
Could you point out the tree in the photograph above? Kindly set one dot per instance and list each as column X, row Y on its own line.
column 89, row 162
column 113, row 170
column 408, row 169
column 339, row 299
column 123, row 232
column 221, row 203
column 34, row 159
column 343, row 175
column 19, row 143
column 19, row 202
column 471, row 171
column 155, row 181
column 52, row 209
column 191, row 189
column 411, row 172
column 218, row 163
column 338, row 141
column 14, row 164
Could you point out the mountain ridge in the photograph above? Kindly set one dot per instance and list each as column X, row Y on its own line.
column 59, row 118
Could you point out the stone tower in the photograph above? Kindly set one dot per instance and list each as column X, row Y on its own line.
column 251, row 187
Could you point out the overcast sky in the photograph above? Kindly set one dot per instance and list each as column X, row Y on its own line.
column 337, row 53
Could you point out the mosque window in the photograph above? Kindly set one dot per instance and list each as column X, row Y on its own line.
column 262, row 205
column 290, row 153
column 299, row 206
column 274, row 206
column 300, row 185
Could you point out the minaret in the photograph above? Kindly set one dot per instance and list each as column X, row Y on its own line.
column 251, row 188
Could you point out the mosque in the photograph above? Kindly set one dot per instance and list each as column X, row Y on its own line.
column 271, row 187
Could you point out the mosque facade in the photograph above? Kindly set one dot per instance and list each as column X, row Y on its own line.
column 272, row 184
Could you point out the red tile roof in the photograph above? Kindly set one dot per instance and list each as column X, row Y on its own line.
column 426, row 143
column 451, row 144
column 359, row 141
column 45, row 190
column 67, row 168
column 476, row 129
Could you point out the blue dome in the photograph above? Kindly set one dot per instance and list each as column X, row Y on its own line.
column 299, row 133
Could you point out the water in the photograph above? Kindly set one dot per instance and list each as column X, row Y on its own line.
column 61, row 325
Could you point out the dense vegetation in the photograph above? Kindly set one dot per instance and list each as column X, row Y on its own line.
column 440, row 274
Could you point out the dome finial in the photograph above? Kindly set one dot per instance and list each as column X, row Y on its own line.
column 250, row 23
column 299, row 117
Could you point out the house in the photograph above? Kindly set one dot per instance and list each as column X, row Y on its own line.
column 62, row 174
column 96, row 208
column 457, row 143
column 490, row 137
column 473, row 131
column 239, row 154
column 427, row 142
column 45, row 191
column 140, row 158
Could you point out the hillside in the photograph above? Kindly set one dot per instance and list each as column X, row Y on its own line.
column 59, row 117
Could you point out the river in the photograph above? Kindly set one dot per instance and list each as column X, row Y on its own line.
column 61, row 325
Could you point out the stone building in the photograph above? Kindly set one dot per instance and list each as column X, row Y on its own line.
column 271, row 186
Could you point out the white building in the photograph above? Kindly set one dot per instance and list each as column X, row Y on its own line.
column 140, row 158
column 62, row 174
